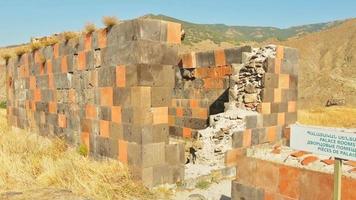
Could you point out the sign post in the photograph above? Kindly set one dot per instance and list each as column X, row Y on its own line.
column 338, row 144
column 337, row 179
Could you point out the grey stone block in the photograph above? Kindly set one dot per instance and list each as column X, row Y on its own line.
column 240, row 191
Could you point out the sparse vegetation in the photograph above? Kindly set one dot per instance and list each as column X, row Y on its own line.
column 89, row 28
column 3, row 104
column 69, row 35
column 34, row 46
column 83, row 150
column 203, row 184
column 22, row 50
column 110, row 21
column 29, row 161
column 6, row 57
column 50, row 41
column 329, row 116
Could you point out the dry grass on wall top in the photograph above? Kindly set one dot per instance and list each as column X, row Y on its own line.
column 329, row 116
column 29, row 161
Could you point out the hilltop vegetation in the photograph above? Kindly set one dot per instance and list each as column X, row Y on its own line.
column 236, row 35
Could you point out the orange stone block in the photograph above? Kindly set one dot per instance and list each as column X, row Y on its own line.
column 179, row 112
column 265, row 108
column 116, row 114
column 87, row 42
column 42, row 69
column 201, row 72
column 106, row 96
column 281, row 119
column 173, row 33
column 351, row 163
column 122, row 151
column 32, row 82
column 49, row 67
column 52, row 107
column 280, row 52
column 171, row 120
column 85, row 139
column 72, row 96
column 328, row 161
column 64, row 64
column 104, row 128
column 37, row 56
column 292, row 106
column 189, row 60
column 37, row 95
column 289, row 181
column 247, row 136
column 102, row 40
column 81, row 60
column 193, row 103
column 90, row 111
column 277, row 65
column 120, row 76
column 298, row 154
column 201, row 113
column 160, row 115
column 308, row 160
column 187, row 132
column 219, row 57
column 62, row 121
column 56, row 50
column 277, row 95
column 50, row 81
column 271, row 133
column 283, row 81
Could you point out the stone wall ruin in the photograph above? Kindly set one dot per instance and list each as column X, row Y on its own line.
column 124, row 92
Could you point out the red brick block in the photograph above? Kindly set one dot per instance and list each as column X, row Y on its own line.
column 232, row 156
column 219, row 57
column 87, row 42
column 289, row 181
column 81, row 60
column 298, row 154
column 102, row 40
column 122, row 151
column 173, row 33
column 90, row 111
column 120, row 76
column 106, row 96
column 187, row 132
column 267, row 175
column 62, row 121
column 104, row 128
column 193, row 103
column 308, row 160
column 328, row 161
column 116, row 114
column 64, row 65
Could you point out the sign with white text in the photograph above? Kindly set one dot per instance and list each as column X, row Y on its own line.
column 324, row 141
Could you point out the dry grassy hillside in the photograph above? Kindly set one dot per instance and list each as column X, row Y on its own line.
column 327, row 65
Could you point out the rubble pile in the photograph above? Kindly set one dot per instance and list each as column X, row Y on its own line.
column 246, row 81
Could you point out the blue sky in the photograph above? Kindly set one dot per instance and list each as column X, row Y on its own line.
column 21, row 19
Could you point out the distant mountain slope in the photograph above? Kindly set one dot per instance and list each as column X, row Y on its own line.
column 327, row 64
column 218, row 33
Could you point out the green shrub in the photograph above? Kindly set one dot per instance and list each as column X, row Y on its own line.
column 203, row 184
column 3, row 104
column 83, row 150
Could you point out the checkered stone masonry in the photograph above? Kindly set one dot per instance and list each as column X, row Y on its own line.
column 107, row 92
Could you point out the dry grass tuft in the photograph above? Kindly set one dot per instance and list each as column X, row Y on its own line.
column 69, row 35
column 110, row 21
column 34, row 46
column 6, row 57
column 329, row 116
column 89, row 28
column 22, row 50
column 29, row 161
column 50, row 41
